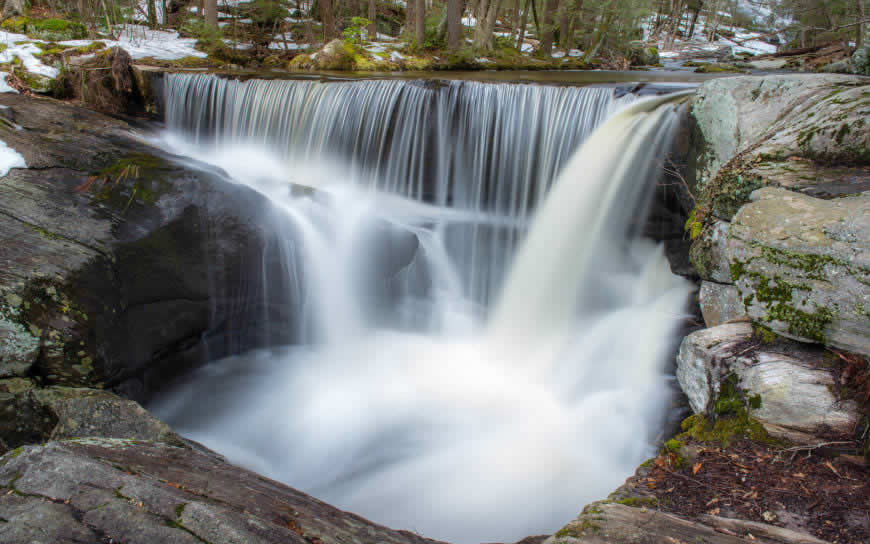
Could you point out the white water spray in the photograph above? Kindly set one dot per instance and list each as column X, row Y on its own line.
column 415, row 409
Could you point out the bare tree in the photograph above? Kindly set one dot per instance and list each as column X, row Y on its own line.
column 420, row 22
column 211, row 9
column 454, row 25
column 152, row 14
column 522, row 30
column 327, row 19
column 550, row 8
column 373, row 15
column 861, row 30
column 487, row 12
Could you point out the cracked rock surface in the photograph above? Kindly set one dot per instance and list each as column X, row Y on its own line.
column 101, row 490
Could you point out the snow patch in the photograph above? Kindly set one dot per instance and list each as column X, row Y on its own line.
column 4, row 86
column 9, row 159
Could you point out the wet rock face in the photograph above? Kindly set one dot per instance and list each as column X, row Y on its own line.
column 785, row 386
column 100, row 490
column 120, row 266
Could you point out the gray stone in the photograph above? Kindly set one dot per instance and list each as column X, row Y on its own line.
column 777, row 117
column 802, row 266
column 34, row 414
column 794, row 384
column 18, row 349
column 720, row 303
column 84, row 413
column 121, row 278
column 102, row 490
column 708, row 253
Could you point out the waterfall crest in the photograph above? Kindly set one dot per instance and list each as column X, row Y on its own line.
column 460, row 424
column 480, row 145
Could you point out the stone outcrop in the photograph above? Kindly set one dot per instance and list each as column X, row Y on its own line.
column 749, row 129
column 35, row 414
column 112, row 274
column 802, row 266
column 115, row 490
column 787, row 387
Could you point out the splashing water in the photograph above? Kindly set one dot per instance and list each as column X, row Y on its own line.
column 413, row 402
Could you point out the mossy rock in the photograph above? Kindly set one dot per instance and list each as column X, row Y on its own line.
column 46, row 29
column 336, row 55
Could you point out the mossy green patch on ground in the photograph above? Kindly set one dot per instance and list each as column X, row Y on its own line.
column 726, row 429
column 639, row 502
column 717, row 68
column 52, row 29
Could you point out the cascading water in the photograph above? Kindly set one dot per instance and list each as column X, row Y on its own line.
column 414, row 403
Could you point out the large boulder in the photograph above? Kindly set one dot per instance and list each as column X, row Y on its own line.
column 802, row 266
column 750, row 132
column 787, row 387
column 114, row 490
column 120, row 266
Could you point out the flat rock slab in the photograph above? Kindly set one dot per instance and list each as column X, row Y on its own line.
column 113, row 490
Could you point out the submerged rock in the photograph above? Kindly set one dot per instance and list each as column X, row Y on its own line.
column 787, row 387
column 101, row 490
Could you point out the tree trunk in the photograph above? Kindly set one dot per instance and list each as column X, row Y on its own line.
column 211, row 9
column 600, row 33
column 550, row 8
column 694, row 22
column 409, row 17
column 515, row 16
column 13, row 7
column 862, row 26
column 327, row 19
column 420, row 20
column 485, row 25
column 373, row 15
column 565, row 13
column 152, row 14
column 536, row 19
column 454, row 25
column 522, row 30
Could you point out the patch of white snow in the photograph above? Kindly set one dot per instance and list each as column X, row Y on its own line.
column 9, row 159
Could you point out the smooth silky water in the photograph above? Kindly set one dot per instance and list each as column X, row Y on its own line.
column 482, row 332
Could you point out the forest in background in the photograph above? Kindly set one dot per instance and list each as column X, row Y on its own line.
column 598, row 29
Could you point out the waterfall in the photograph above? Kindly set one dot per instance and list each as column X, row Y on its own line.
column 420, row 403
column 473, row 146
